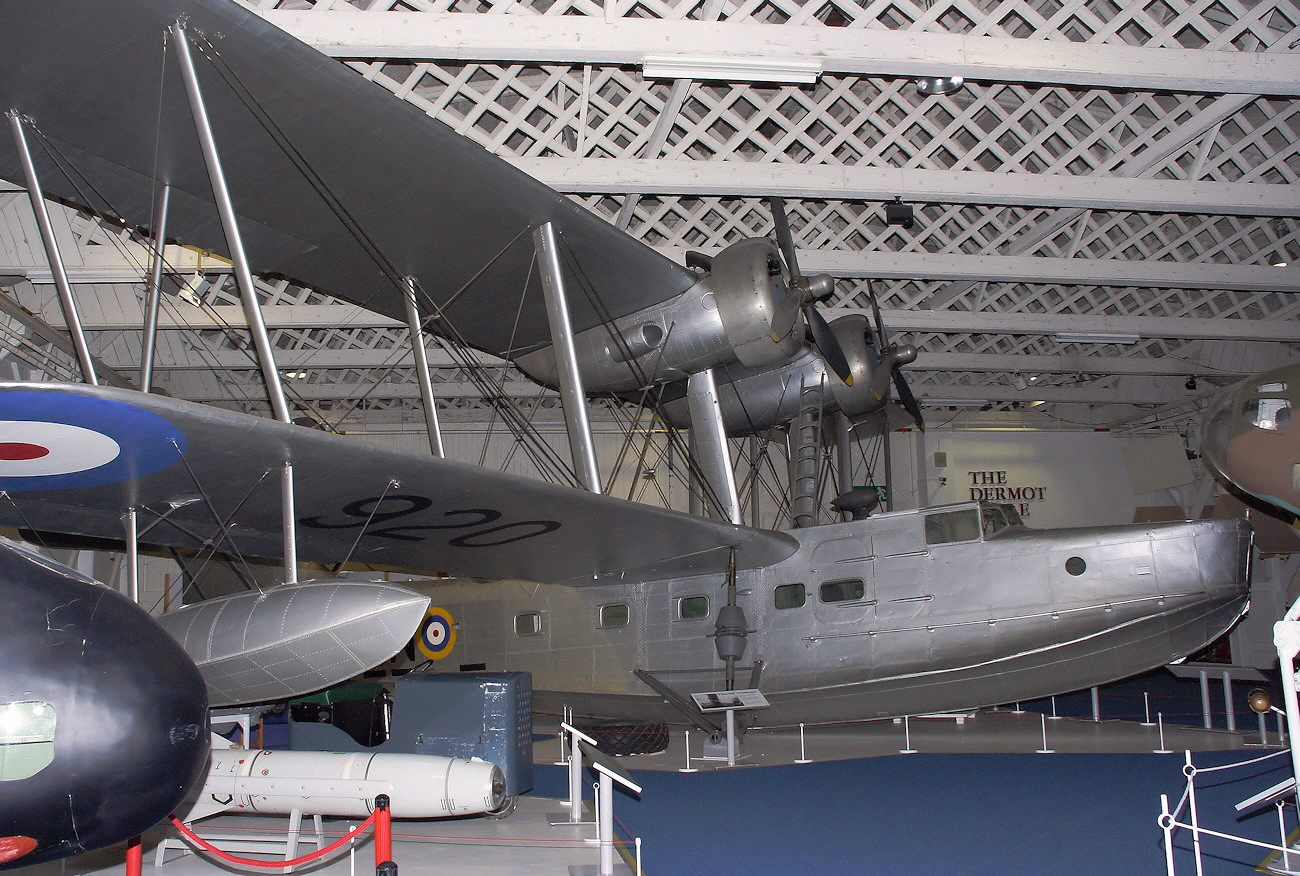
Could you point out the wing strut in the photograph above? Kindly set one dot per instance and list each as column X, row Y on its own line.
column 566, row 357
column 152, row 292
column 221, row 194
column 52, row 250
column 711, row 441
column 422, row 369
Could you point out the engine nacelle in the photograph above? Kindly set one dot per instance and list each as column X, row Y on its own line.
column 752, row 289
column 753, row 401
column 730, row 316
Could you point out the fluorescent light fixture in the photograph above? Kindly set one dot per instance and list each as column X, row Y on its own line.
column 732, row 69
column 1094, row 338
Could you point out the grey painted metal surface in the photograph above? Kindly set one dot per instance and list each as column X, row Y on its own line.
column 420, row 182
column 291, row 640
column 196, row 474
column 938, row 626
column 900, row 613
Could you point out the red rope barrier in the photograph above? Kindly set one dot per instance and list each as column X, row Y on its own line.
column 199, row 841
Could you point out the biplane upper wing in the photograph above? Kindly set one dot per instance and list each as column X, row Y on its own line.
column 338, row 184
column 74, row 458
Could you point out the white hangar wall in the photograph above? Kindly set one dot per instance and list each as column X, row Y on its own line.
column 1054, row 479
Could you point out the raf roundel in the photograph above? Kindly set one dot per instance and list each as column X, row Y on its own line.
column 437, row 634
column 58, row 441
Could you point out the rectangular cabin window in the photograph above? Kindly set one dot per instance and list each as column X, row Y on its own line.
column 528, row 624
column 615, row 614
column 843, row 590
column 949, row 526
column 693, row 607
column 790, row 596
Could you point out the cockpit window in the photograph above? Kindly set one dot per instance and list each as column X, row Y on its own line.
column 947, row 526
column 998, row 518
column 26, row 739
column 1267, row 413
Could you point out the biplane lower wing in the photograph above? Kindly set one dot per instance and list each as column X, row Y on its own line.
column 74, row 458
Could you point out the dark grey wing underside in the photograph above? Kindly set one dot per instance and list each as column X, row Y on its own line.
column 200, row 477
column 390, row 191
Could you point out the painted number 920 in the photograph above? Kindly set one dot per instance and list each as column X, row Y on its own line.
column 483, row 530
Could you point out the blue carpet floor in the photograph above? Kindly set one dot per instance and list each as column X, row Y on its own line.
column 952, row 814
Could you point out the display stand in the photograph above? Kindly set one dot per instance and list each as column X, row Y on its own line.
column 729, row 701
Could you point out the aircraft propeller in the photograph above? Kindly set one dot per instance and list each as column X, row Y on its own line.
column 807, row 291
column 891, row 357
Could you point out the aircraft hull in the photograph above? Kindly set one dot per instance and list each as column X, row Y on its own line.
column 937, row 627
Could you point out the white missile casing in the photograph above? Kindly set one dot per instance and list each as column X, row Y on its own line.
column 346, row 784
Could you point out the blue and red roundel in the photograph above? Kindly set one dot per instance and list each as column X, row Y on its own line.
column 57, row 441
column 437, row 635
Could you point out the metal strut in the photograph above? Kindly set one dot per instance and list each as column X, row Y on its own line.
column 229, row 224
column 710, row 440
column 422, row 368
column 17, row 125
column 152, row 294
column 572, row 396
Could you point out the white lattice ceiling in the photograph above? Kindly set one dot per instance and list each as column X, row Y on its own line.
column 1113, row 168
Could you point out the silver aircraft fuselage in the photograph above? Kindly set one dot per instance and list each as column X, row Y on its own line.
column 903, row 613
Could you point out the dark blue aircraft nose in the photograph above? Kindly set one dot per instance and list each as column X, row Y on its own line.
column 103, row 718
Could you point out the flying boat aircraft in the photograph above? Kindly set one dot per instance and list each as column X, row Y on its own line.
column 624, row 609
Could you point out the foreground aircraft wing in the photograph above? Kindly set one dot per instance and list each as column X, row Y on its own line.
column 74, row 458
column 338, row 184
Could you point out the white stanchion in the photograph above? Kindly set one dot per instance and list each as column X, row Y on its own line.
column 1146, row 710
column 688, row 768
column 1160, row 722
column 803, row 755
column 575, row 770
column 1045, row 749
column 907, row 737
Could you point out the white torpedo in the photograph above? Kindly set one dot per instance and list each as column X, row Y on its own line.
column 344, row 784
column 294, row 639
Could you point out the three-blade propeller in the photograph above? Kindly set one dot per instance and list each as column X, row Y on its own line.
column 818, row 287
column 891, row 357
column 806, row 292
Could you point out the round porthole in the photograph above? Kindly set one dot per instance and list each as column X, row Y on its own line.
column 1076, row 566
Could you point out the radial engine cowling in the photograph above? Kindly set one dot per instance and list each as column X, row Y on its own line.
column 853, row 331
column 752, row 290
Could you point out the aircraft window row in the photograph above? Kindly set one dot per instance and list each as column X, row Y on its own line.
column 790, row 596
column 998, row 518
column 843, row 590
column 693, row 607
column 1267, row 413
column 529, row 623
column 950, row 526
column 615, row 614
column 26, row 739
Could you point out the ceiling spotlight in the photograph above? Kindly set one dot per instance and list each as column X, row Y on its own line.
column 1191, row 383
column 898, row 213
column 931, row 85
column 1019, row 382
